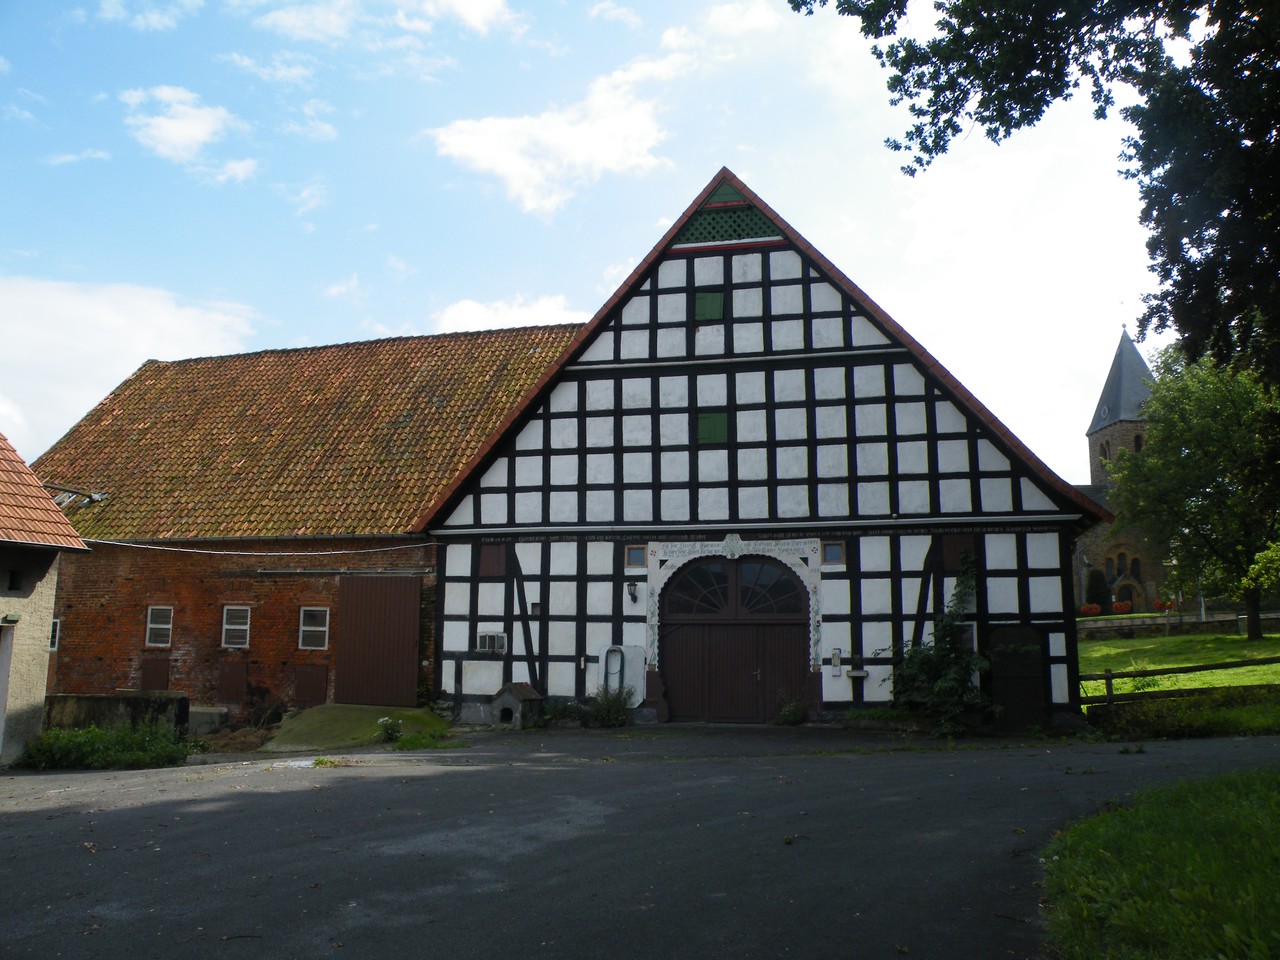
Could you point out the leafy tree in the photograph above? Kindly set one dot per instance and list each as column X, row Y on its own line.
column 1205, row 481
column 1205, row 78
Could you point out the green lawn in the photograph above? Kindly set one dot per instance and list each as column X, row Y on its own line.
column 1152, row 653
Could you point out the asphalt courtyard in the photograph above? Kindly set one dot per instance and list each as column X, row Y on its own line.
column 650, row 842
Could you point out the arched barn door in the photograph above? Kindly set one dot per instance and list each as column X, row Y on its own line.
column 735, row 638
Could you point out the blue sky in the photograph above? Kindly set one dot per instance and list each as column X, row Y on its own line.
column 186, row 178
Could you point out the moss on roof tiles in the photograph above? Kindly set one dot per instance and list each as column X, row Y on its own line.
column 351, row 439
column 27, row 513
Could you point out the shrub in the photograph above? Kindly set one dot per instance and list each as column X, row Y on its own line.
column 610, row 708
column 791, row 711
column 557, row 713
column 1220, row 712
column 92, row 748
column 1122, row 606
column 1090, row 610
column 390, row 730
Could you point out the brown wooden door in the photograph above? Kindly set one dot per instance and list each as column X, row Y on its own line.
column 376, row 641
column 1018, row 677
column 734, row 639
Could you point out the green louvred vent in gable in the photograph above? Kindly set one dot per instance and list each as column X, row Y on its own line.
column 717, row 224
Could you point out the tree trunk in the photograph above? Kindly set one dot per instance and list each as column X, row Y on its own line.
column 1253, row 614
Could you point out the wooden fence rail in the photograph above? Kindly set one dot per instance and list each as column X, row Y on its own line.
column 1110, row 676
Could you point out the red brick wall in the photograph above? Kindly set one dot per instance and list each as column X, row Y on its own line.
column 103, row 597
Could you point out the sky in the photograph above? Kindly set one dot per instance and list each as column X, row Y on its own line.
column 184, row 178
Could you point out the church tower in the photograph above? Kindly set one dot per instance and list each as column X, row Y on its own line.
column 1118, row 423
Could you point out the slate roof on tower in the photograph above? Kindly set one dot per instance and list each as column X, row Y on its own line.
column 27, row 513
column 351, row 439
column 1127, row 388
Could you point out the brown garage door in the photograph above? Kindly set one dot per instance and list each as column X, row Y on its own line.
column 376, row 641
column 735, row 639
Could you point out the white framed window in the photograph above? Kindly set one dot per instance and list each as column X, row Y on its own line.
column 235, row 627
column 313, row 628
column 159, row 626
column 55, row 629
column 491, row 643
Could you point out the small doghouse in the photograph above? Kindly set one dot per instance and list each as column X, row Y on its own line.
column 517, row 704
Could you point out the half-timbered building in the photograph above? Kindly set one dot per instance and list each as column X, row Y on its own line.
column 743, row 486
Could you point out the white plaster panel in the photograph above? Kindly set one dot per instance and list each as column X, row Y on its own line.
column 464, row 513
column 837, row 635
column 673, row 273
column 708, row 271
column 830, row 423
column 600, row 468
column 877, row 640
column 564, row 560
column 910, row 589
column 1058, row 682
column 824, row 298
column 564, row 470
column 528, row 507
column 873, row 554
column 872, row 459
column 637, row 393
column 1002, row 551
column 870, row 420
column 633, row 345
column 600, row 431
column 747, row 268
column 637, row 431
column 713, row 466
column 713, row 503
column 909, row 418
column 786, row 298
column 949, row 417
column 788, row 335
column 955, row 496
column 873, row 499
column 482, row 677
column 675, row 467
column 784, row 264
column 563, row 508
column 490, row 600
column 1002, row 594
column 913, row 496
column 1045, row 595
column 907, row 381
column 834, row 599
column 564, row 398
column 599, row 637
column 602, row 349
column 788, row 385
column 953, row 456
column 708, row 340
column 793, row 501
column 674, row 429
column 753, row 503
column 600, row 506
column 833, row 460
column 457, row 598
column 493, row 508
column 1042, row 551
column 637, row 506
column 751, row 426
column 560, row 679
column 749, row 387
column 637, row 467
column 868, row 381
column 1033, row 498
column 1057, row 644
column 456, row 636
column 877, row 597
column 671, row 342
column 833, row 499
column 562, row 640
column 793, row 463
column 913, row 551
column 748, row 302
column 864, row 333
column 712, row 390
column 997, row 494
column 748, row 337
column 530, row 437
column 458, row 559
column 878, row 685
column 827, row 332
column 529, row 556
column 564, row 433
column 562, row 598
column 636, row 310
column 633, row 631
column 496, row 475
column 673, row 392
column 675, row 505
column 752, row 464
column 913, row 457
column 789, row 423
column 989, row 458
column 828, row 383
column 600, row 598
column 600, row 395
column 528, row 471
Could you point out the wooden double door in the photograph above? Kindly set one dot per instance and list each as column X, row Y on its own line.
column 734, row 644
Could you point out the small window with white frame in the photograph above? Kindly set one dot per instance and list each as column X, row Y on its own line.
column 235, row 626
column 55, row 629
column 491, row 643
column 313, row 628
column 159, row 626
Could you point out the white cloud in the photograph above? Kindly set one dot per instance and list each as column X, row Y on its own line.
column 61, row 159
column 310, row 196
column 78, row 341
column 322, row 22
column 608, row 10
column 478, row 15
column 236, row 171
column 516, row 312
column 349, row 287
column 180, row 128
column 399, row 267
column 283, row 68
column 147, row 15
column 312, row 127
column 5, row 66
column 14, row 112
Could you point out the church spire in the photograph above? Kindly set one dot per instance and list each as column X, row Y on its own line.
column 1127, row 388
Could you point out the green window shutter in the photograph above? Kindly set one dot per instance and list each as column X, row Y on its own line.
column 708, row 306
column 713, row 428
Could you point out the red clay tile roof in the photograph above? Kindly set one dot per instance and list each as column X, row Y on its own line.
column 27, row 512
column 325, row 441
